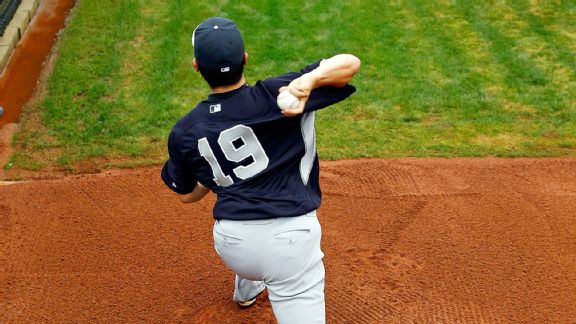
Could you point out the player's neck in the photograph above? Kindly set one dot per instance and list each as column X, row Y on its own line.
column 230, row 87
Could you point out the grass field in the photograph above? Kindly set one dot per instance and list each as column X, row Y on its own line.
column 442, row 78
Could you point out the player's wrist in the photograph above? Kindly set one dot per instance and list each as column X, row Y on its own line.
column 311, row 80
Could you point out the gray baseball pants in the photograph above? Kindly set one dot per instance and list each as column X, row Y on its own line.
column 281, row 254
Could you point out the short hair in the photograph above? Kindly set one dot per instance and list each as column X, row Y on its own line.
column 220, row 79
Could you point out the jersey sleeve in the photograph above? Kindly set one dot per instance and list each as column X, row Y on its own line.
column 319, row 98
column 176, row 173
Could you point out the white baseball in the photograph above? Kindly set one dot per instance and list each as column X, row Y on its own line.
column 286, row 100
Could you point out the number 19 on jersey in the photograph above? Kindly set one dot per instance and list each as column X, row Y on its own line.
column 249, row 147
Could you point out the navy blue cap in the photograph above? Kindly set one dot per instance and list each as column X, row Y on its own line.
column 218, row 45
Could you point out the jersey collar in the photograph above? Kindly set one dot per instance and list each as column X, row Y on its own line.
column 218, row 97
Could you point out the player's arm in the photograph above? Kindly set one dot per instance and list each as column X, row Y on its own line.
column 336, row 71
column 177, row 173
column 180, row 180
column 197, row 194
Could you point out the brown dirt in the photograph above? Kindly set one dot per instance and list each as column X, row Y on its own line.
column 421, row 240
column 20, row 77
column 6, row 133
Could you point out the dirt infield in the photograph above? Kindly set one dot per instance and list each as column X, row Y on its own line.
column 423, row 240
column 20, row 78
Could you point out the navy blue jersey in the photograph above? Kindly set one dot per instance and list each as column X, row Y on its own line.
column 260, row 163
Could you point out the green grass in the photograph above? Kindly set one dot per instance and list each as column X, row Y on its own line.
column 439, row 78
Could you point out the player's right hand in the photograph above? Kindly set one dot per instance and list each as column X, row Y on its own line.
column 301, row 88
column 294, row 111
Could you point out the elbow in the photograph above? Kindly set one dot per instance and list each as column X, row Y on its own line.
column 197, row 194
column 185, row 200
column 350, row 66
column 353, row 64
column 189, row 198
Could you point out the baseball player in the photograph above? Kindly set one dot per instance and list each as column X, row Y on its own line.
column 262, row 164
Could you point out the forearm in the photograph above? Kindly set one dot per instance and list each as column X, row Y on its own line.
column 196, row 195
column 336, row 71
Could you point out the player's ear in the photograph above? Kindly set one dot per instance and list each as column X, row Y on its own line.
column 245, row 58
column 195, row 63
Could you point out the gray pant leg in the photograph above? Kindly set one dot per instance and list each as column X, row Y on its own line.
column 300, row 299
column 245, row 289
